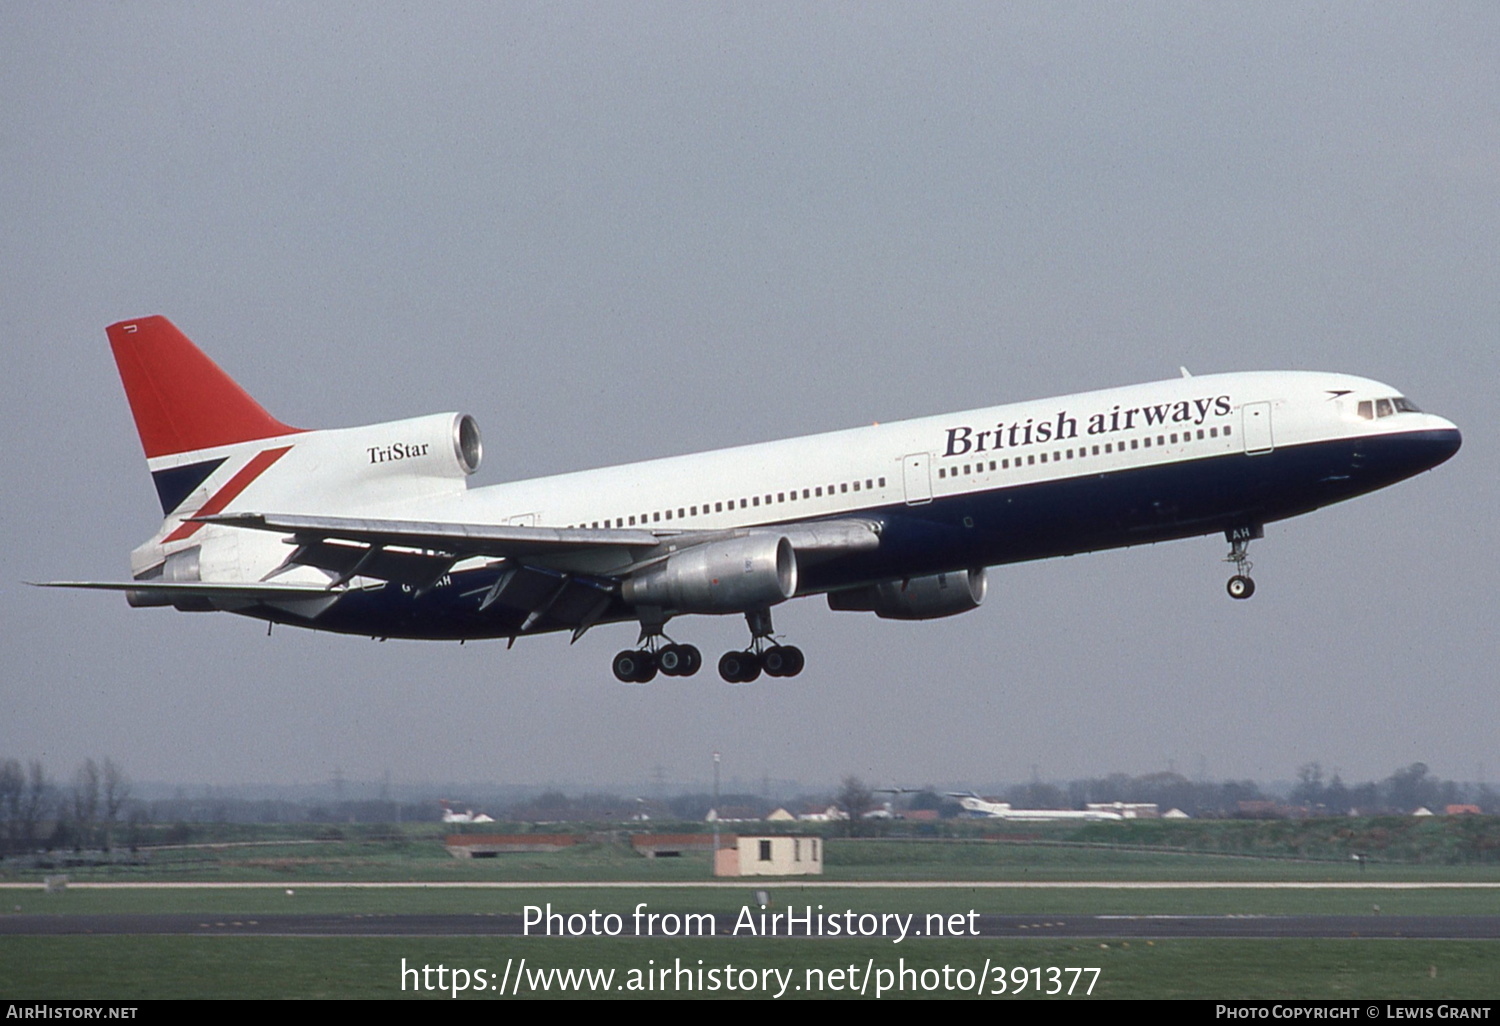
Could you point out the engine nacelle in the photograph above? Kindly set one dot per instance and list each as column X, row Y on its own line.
column 379, row 464
column 916, row 598
column 439, row 445
column 728, row 576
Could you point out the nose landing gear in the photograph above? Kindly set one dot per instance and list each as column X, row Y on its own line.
column 1241, row 585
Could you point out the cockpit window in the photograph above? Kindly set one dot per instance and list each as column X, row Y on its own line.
column 1370, row 409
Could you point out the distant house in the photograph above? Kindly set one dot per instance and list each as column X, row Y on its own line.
column 1461, row 810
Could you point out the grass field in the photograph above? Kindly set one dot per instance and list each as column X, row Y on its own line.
column 370, row 967
column 237, row 967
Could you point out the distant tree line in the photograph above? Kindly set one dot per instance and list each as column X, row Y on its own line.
column 97, row 808
column 1406, row 790
column 35, row 812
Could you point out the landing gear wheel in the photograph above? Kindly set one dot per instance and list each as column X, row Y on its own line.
column 1241, row 587
column 783, row 660
column 634, row 667
column 796, row 660
column 679, row 660
column 739, row 667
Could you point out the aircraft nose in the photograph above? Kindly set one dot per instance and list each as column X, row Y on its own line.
column 1445, row 440
column 1437, row 444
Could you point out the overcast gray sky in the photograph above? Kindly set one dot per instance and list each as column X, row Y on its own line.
column 620, row 231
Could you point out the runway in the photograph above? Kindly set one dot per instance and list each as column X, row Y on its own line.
column 1143, row 927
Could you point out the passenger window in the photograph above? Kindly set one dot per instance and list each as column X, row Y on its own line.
column 804, row 493
column 1044, row 457
column 843, row 487
column 1226, row 430
column 1147, row 441
column 1213, row 432
column 856, row 486
column 819, row 490
column 1135, row 443
column 755, row 501
column 632, row 521
column 869, row 484
column 780, row 497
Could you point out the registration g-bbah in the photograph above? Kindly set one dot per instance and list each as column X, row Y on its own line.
column 374, row 530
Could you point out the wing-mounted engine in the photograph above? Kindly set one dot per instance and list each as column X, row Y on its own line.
column 726, row 575
column 916, row 598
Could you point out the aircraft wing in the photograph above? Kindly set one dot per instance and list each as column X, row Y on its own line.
column 420, row 552
column 263, row 590
column 499, row 540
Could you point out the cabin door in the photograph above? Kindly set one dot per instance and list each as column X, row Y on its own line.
column 918, row 477
column 1256, row 428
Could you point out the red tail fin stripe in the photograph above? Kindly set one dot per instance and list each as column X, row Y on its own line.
column 231, row 490
column 183, row 401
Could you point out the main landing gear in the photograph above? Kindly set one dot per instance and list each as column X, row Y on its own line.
column 763, row 654
column 1241, row 585
column 641, row 665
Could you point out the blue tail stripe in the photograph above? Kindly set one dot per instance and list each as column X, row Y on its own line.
column 174, row 485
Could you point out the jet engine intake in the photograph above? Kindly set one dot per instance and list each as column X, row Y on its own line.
column 727, row 576
column 916, row 598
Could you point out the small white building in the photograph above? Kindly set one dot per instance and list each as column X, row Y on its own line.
column 776, row 855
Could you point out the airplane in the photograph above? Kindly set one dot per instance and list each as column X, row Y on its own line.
column 976, row 807
column 467, row 816
column 374, row 531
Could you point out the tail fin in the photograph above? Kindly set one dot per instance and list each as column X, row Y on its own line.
column 183, row 401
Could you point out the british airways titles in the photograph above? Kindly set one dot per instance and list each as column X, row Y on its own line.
column 964, row 439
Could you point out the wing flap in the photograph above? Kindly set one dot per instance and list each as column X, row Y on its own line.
column 189, row 589
column 498, row 540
